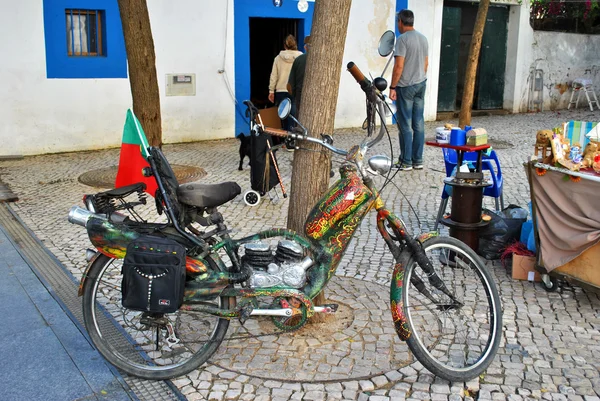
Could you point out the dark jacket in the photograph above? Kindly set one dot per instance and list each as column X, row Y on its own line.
column 296, row 79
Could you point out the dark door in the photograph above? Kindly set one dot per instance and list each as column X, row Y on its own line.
column 492, row 60
column 266, row 41
column 449, row 59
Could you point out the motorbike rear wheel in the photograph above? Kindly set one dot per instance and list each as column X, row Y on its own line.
column 155, row 347
column 454, row 339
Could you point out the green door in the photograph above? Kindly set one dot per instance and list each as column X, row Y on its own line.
column 449, row 59
column 492, row 60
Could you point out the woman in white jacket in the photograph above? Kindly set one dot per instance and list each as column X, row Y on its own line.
column 281, row 71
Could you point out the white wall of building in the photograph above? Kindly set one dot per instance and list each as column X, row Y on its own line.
column 564, row 57
column 428, row 21
column 41, row 115
column 195, row 37
column 368, row 21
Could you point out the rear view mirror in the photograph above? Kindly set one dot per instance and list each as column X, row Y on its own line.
column 386, row 43
column 284, row 109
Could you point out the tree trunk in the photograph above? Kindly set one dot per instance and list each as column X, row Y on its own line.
column 464, row 117
column 139, row 46
column 310, row 174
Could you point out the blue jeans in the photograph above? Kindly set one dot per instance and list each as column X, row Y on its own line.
column 411, row 105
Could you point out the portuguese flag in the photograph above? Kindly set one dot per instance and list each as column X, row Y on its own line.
column 134, row 151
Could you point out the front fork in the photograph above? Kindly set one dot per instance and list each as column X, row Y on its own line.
column 414, row 249
column 401, row 257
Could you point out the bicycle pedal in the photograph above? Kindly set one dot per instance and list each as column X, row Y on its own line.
column 245, row 313
column 326, row 308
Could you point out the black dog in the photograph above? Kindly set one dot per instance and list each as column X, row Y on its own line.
column 244, row 148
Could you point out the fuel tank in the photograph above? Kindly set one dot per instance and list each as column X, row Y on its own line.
column 335, row 218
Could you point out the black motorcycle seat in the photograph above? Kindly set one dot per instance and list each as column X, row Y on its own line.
column 207, row 195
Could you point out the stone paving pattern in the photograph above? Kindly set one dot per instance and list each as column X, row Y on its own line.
column 551, row 341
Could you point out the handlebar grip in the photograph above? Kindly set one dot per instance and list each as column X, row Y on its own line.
column 365, row 84
column 355, row 71
column 276, row 132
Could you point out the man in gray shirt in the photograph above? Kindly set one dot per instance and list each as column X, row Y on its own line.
column 408, row 84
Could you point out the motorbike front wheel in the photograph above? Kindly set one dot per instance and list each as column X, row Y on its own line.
column 455, row 327
column 150, row 346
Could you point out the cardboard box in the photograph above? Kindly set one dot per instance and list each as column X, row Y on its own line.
column 585, row 267
column 270, row 118
column 477, row 140
column 523, row 268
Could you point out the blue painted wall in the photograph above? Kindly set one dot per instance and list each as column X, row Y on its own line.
column 244, row 10
column 60, row 65
column 400, row 5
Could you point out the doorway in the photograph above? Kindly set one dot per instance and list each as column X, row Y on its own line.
column 457, row 32
column 266, row 41
column 262, row 11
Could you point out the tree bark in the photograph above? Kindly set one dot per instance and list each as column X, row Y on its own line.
column 139, row 46
column 310, row 174
column 464, row 117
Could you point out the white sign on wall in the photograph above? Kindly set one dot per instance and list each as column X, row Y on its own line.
column 181, row 84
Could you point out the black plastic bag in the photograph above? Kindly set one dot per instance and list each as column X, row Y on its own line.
column 504, row 228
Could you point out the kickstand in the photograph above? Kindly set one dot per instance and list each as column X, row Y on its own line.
column 157, row 337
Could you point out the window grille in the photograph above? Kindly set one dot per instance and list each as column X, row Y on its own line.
column 84, row 32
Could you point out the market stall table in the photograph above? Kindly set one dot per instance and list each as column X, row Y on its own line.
column 566, row 220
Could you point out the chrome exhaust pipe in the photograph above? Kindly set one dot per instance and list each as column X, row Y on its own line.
column 80, row 216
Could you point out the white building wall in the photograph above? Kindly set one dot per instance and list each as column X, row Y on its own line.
column 564, row 57
column 41, row 115
column 428, row 21
column 195, row 37
column 368, row 21
column 518, row 58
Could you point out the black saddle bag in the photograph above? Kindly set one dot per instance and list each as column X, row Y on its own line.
column 153, row 275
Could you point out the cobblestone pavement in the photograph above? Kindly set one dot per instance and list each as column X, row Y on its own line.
column 551, row 341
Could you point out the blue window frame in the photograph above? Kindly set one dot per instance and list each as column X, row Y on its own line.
column 84, row 39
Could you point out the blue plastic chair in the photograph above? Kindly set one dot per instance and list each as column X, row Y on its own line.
column 489, row 162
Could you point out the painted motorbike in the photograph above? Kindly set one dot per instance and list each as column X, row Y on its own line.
column 440, row 292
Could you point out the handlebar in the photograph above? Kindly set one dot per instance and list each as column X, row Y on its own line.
column 293, row 135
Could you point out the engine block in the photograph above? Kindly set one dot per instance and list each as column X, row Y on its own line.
column 286, row 267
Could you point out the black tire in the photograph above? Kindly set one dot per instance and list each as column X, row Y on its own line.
column 130, row 344
column 443, row 330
